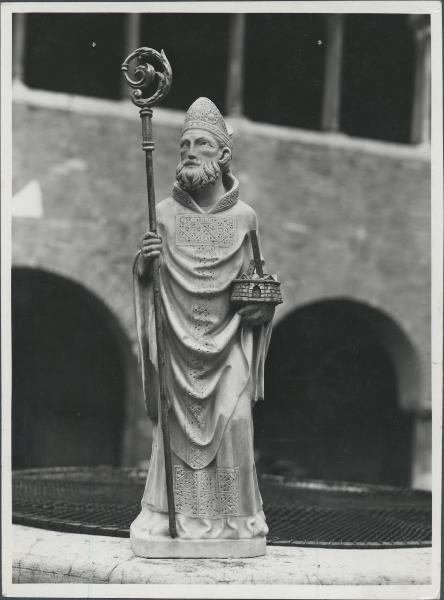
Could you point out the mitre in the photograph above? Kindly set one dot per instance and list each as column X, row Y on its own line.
column 204, row 114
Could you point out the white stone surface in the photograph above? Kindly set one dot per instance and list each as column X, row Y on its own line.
column 41, row 556
column 27, row 202
column 163, row 547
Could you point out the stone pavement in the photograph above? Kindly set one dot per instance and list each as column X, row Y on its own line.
column 41, row 556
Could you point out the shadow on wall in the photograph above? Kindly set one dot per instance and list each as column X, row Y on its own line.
column 339, row 376
column 71, row 366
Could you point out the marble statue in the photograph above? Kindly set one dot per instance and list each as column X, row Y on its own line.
column 215, row 355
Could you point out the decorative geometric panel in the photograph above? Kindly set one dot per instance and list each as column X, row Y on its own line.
column 205, row 230
column 207, row 492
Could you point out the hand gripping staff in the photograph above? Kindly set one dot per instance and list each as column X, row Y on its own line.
column 144, row 78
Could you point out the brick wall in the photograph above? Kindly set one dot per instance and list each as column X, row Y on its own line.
column 336, row 220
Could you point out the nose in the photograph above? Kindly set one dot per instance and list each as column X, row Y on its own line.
column 192, row 151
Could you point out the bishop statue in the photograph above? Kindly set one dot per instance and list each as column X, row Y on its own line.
column 215, row 354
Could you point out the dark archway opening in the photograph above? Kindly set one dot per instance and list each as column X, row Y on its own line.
column 67, row 374
column 332, row 407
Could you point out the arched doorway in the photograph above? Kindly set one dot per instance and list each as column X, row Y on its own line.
column 68, row 379
column 333, row 406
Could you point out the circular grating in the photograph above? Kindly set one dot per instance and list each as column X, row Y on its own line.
column 104, row 501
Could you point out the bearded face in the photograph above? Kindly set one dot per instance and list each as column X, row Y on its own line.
column 197, row 175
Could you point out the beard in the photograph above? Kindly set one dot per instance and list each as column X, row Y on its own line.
column 197, row 177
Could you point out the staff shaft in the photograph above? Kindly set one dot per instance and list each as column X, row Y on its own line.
column 256, row 253
column 148, row 147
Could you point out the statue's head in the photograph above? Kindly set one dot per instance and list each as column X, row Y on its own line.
column 205, row 146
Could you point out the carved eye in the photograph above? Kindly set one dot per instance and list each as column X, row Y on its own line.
column 205, row 142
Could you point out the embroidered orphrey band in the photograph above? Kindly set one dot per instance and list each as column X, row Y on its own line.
column 205, row 230
column 207, row 492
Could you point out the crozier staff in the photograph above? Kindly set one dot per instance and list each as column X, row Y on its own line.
column 145, row 75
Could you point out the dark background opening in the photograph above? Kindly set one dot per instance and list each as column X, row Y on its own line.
column 331, row 408
column 197, row 47
column 284, row 64
column 67, row 376
column 284, row 69
column 378, row 77
column 75, row 53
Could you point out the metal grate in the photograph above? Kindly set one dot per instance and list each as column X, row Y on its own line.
column 104, row 501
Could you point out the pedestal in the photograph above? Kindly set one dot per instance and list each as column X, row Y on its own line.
column 149, row 546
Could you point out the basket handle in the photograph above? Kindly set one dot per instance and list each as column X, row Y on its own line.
column 256, row 253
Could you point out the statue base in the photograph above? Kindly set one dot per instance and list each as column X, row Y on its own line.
column 150, row 546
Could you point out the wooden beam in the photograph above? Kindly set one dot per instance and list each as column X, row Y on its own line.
column 235, row 79
column 18, row 46
column 331, row 105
